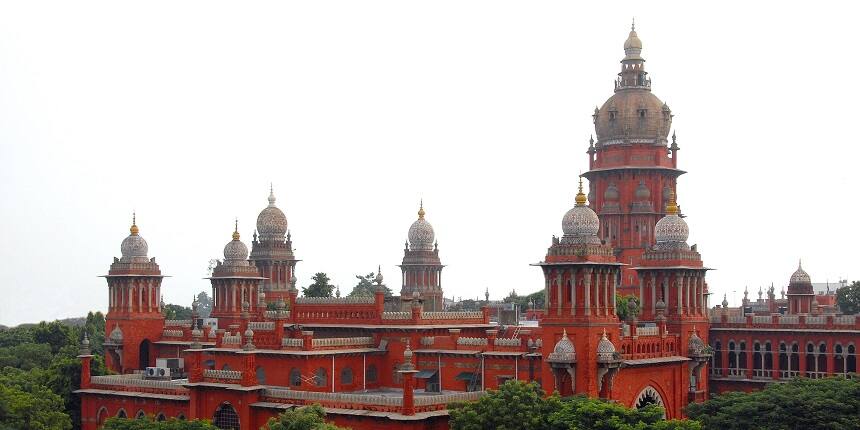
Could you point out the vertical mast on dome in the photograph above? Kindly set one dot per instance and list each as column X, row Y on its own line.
column 633, row 72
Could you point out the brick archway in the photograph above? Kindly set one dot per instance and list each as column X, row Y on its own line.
column 650, row 395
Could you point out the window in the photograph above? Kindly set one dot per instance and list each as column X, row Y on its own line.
column 642, row 113
column 209, row 364
column 121, row 414
column 295, row 377
column 321, row 378
column 226, row 367
column 101, row 416
column 261, row 375
column 180, row 417
column 372, row 374
column 140, row 415
column 226, row 418
column 160, row 417
column 346, row 376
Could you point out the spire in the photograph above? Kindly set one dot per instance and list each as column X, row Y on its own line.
column 672, row 206
column 134, row 230
column 580, row 197
column 271, row 194
column 633, row 25
column 421, row 210
column 236, row 229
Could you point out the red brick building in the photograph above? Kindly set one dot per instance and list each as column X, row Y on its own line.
column 267, row 350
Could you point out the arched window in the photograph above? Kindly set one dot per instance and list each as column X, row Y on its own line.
column 784, row 361
column 121, row 414
column 768, row 357
column 226, row 417
column 295, row 377
column 160, row 417
column 851, row 359
column 261, row 375
column 101, row 416
column 821, row 360
column 320, row 377
column 717, row 359
column 180, row 417
column 226, row 367
column 346, row 376
column 209, row 364
column 143, row 354
column 758, row 361
column 838, row 359
column 372, row 374
column 140, row 415
column 795, row 359
column 810, row 361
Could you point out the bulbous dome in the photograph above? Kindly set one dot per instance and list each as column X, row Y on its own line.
column 642, row 191
column 272, row 223
column 580, row 224
column 633, row 113
column 695, row 346
column 134, row 247
column 116, row 335
column 605, row 349
column 611, row 193
column 800, row 276
column 563, row 351
column 671, row 232
column 235, row 252
column 421, row 234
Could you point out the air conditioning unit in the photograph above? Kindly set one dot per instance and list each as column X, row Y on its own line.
column 171, row 363
column 157, row 373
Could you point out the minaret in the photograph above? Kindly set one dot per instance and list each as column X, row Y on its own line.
column 134, row 319
column 581, row 275
column 272, row 252
column 800, row 294
column 235, row 283
column 632, row 168
column 421, row 267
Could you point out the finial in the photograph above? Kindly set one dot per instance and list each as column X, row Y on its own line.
column 134, row 230
column 271, row 194
column 564, row 332
column 421, row 210
column 580, row 197
column 672, row 206
column 236, row 229
column 799, row 264
column 633, row 25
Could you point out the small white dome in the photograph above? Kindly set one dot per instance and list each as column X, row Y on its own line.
column 272, row 223
column 421, row 234
column 116, row 335
column 605, row 349
column 800, row 276
column 580, row 224
column 134, row 248
column 671, row 232
column 695, row 346
column 563, row 351
column 235, row 252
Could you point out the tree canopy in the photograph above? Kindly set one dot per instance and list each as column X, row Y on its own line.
column 366, row 287
column 518, row 405
column 830, row 403
column 621, row 307
column 307, row 418
column 150, row 424
column 848, row 298
column 525, row 301
column 320, row 287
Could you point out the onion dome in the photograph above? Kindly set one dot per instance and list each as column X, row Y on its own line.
column 580, row 224
column 632, row 46
column 800, row 276
column 378, row 278
column 421, row 235
column 725, row 301
column 611, row 193
column 85, row 345
column 671, row 232
column 134, row 247
column 642, row 191
column 695, row 346
column 235, row 252
column 563, row 351
column 605, row 349
column 116, row 335
column 272, row 223
column 407, row 359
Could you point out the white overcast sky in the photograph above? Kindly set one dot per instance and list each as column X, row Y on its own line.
column 185, row 111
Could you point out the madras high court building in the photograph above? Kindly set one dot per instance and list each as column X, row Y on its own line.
column 376, row 363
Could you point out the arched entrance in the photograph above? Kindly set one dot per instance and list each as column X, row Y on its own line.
column 143, row 354
column 226, row 417
column 649, row 396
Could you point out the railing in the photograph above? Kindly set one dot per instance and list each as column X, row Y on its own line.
column 737, row 372
column 715, row 319
column 738, row 319
column 472, row 341
column 845, row 320
column 789, row 319
column 762, row 373
column 815, row 375
column 355, row 300
column 261, row 325
column 135, row 380
column 427, row 340
column 452, row 315
column 177, row 323
column 364, row 399
column 648, row 331
column 396, row 315
column 762, row 319
column 816, row 320
column 292, row 342
column 172, row 333
column 786, row 374
column 503, row 341
column 342, row 341
column 222, row 374
column 232, row 339
column 445, row 399
column 276, row 314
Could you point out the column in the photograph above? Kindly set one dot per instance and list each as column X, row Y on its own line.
column 546, row 292
column 572, row 274
column 680, row 296
column 606, row 298
column 559, row 292
column 596, row 291
column 614, row 280
column 642, row 293
column 586, row 282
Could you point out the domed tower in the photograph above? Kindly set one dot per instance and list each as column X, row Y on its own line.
column 581, row 275
column 632, row 165
column 235, row 283
column 272, row 252
column 800, row 293
column 134, row 317
column 421, row 267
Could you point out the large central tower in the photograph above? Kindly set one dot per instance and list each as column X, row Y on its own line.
column 632, row 165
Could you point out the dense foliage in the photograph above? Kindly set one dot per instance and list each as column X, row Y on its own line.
column 150, row 424
column 39, row 372
column 535, row 299
column 622, row 307
column 307, row 418
column 524, row 406
column 848, row 298
column 366, row 287
column 831, row 403
column 320, row 287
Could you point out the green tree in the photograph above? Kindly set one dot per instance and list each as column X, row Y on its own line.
column 621, row 307
column 848, row 298
column 15, row 336
column 150, row 424
column 204, row 304
column 55, row 334
column 320, row 288
column 27, row 404
column 26, row 356
column 176, row 312
column 307, row 418
column 366, row 286
column 831, row 403
column 465, row 305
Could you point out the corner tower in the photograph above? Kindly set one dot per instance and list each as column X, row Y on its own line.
column 632, row 165
column 421, row 267
column 235, row 284
column 134, row 319
column 272, row 252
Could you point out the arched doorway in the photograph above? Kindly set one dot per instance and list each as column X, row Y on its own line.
column 143, row 354
column 649, row 396
column 226, row 418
